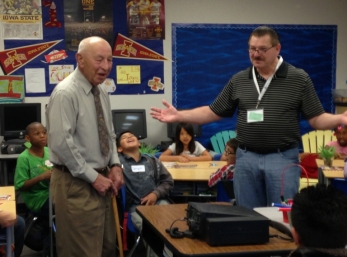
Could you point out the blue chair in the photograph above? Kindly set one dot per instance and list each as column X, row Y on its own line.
column 129, row 224
column 219, row 140
column 217, row 157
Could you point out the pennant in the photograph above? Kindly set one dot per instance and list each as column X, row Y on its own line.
column 127, row 48
column 14, row 58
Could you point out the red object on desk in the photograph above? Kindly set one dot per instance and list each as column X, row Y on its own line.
column 286, row 213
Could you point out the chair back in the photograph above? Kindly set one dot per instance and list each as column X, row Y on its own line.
column 312, row 141
column 219, row 140
column 129, row 223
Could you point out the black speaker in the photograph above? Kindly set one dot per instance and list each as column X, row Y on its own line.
column 8, row 148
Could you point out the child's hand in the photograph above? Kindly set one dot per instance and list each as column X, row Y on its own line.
column 183, row 158
column 149, row 199
column 46, row 175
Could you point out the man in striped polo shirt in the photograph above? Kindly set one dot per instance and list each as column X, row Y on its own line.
column 270, row 97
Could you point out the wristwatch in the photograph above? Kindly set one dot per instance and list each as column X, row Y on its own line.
column 117, row 165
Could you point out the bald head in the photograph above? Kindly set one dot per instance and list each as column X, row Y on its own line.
column 94, row 58
column 90, row 42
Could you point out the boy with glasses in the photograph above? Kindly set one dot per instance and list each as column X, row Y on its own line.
column 227, row 171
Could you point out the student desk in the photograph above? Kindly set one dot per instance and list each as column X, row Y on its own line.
column 194, row 171
column 10, row 206
column 4, row 158
column 9, row 191
column 157, row 218
column 325, row 176
column 191, row 178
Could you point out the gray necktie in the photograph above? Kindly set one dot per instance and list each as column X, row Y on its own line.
column 102, row 129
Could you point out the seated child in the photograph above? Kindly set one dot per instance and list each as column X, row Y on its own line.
column 33, row 172
column 227, row 171
column 319, row 225
column 146, row 179
column 341, row 141
column 185, row 149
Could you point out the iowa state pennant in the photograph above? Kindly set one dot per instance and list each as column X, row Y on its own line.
column 14, row 58
column 127, row 48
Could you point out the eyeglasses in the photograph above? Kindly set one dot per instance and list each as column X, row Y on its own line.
column 228, row 152
column 252, row 50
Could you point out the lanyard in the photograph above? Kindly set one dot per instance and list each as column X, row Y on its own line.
column 267, row 83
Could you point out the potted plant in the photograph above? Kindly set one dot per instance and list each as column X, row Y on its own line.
column 327, row 153
column 149, row 149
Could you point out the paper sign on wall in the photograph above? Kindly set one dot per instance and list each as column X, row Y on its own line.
column 59, row 72
column 127, row 74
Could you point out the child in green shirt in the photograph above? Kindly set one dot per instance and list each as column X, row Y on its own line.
column 33, row 172
column 34, row 169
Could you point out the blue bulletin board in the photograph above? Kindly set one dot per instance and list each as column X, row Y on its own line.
column 149, row 69
column 205, row 56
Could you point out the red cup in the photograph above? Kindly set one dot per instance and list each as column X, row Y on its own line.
column 285, row 216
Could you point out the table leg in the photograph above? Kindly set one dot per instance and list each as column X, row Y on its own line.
column 9, row 241
column 152, row 239
column 321, row 178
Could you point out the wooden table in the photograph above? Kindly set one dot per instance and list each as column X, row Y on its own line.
column 326, row 175
column 189, row 172
column 193, row 176
column 157, row 218
column 10, row 206
column 9, row 191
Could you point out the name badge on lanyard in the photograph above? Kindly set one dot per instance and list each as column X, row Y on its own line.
column 257, row 115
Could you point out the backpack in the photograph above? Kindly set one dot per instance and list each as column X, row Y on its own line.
column 36, row 231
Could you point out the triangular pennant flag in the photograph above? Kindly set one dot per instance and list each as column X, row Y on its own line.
column 14, row 58
column 127, row 48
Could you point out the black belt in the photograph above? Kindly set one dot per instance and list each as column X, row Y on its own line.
column 65, row 169
column 267, row 150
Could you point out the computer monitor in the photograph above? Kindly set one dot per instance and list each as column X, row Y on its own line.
column 171, row 130
column 130, row 119
column 15, row 117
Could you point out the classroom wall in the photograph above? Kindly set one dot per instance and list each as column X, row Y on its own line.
column 313, row 12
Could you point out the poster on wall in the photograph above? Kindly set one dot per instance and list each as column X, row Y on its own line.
column 11, row 89
column 85, row 18
column 59, row 72
column 146, row 19
column 21, row 19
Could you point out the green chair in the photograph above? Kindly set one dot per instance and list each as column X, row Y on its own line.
column 219, row 140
